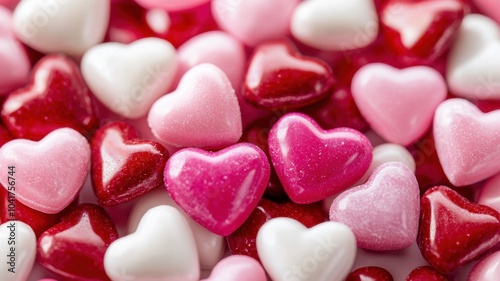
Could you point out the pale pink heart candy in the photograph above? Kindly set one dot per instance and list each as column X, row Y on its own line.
column 398, row 104
column 490, row 193
column 488, row 269
column 49, row 173
column 14, row 62
column 25, row 251
column 473, row 62
column 490, row 8
column 128, row 79
column 335, row 25
column 171, row 5
column 384, row 212
column 67, row 26
column 202, row 112
column 224, row 51
column 210, row 246
column 467, row 141
column 254, row 21
column 238, row 268
column 290, row 251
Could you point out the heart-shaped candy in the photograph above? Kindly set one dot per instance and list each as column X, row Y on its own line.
column 489, row 7
column 244, row 18
column 162, row 248
column 279, row 77
column 124, row 166
column 398, row 104
column 220, row 189
column 453, row 231
column 210, row 246
column 69, row 27
column 384, row 212
column 13, row 58
column 46, row 175
column 488, row 269
column 335, row 25
column 425, row 273
column 472, row 70
column 56, row 97
column 202, row 112
column 18, row 251
column 421, row 30
column 467, row 141
column 490, row 193
column 325, row 252
column 171, row 5
column 128, row 79
column 314, row 164
column 238, row 268
column 60, row 250
column 370, row 273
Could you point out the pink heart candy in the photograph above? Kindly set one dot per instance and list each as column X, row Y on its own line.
column 171, row 5
column 237, row 268
column 15, row 65
column 314, row 164
column 490, row 193
column 254, row 21
column 488, row 269
column 202, row 112
column 467, row 141
column 384, row 212
column 219, row 190
column 48, row 174
column 398, row 104
column 490, row 8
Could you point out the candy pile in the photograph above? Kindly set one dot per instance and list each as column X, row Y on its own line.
column 250, row 140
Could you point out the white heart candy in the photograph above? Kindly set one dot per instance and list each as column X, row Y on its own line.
column 67, row 26
column 335, row 25
column 210, row 246
column 128, row 79
column 473, row 63
column 18, row 251
column 162, row 249
column 290, row 251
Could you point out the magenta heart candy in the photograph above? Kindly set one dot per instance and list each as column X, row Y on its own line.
column 383, row 213
column 219, row 190
column 46, row 175
column 314, row 164
column 467, row 141
column 398, row 104
column 238, row 268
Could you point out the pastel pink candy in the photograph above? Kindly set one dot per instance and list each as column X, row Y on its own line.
column 237, row 268
column 254, row 21
column 219, row 190
column 490, row 193
column 488, row 269
column 202, row 112
column 14, row 62
column 398, row 104
column 384, row 212
column 171, row 5
column 313, row 164
column 490, row 8
column 49, row 173
column 467, row 141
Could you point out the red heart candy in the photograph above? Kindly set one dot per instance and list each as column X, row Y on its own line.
column 124, row 166
column 243, row 240
column 425, row 273
column 280, row 77
column 453, row 231
column 370, row 273
column 75, row 248
column 421, row 30
column 220, row 189
column 55, row 97
column 314, row 164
